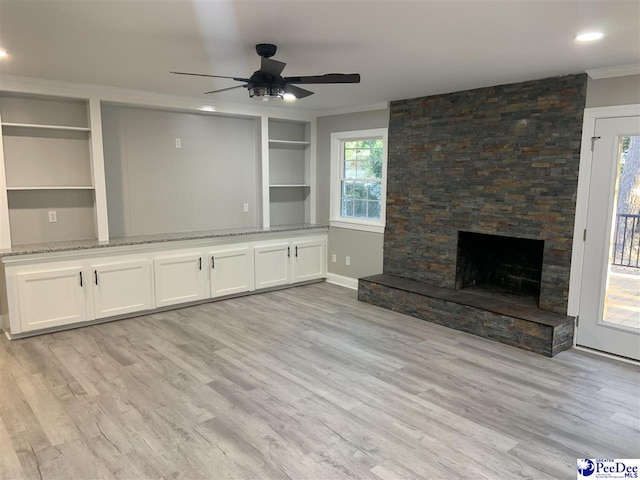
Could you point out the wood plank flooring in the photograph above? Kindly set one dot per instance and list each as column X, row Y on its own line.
column 304, row 383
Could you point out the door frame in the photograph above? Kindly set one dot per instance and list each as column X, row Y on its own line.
column 582, row 198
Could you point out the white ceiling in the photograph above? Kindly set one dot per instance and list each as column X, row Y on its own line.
column 402, row 49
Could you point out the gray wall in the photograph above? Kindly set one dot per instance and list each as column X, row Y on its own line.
column 153, row 187
column 613, row 91
column 364, row 248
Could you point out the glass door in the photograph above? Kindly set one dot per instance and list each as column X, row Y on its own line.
column 610, row 295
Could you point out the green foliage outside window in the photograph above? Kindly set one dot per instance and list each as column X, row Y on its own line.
column 362, row 177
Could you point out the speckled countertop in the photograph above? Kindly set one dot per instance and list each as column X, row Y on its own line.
column 145, row 239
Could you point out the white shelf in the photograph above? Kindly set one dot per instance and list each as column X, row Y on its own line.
column 288, row 142
column 46, row 127
column 298, row 185
column 58, row 187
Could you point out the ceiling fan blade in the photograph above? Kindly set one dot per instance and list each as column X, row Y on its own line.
column 271, row 67
column 225, row 89
column 212, row 76
column 328, row 78
column 297, row 91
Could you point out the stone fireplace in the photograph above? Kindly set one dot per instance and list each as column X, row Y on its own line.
column 493, row 162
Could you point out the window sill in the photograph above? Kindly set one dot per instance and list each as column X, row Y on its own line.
column 357, row 226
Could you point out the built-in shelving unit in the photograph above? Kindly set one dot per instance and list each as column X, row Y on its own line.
column 290, row 173
column 46, row 152
column 52, row 159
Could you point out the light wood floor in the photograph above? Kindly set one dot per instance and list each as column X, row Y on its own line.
column 304, row 383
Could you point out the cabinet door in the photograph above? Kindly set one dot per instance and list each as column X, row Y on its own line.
column 52, row 298
column 272, row 266
column 122, row 287
column 308, row 260
column 180, row 279
column 231, row 271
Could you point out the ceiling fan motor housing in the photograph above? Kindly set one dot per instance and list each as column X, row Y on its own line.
column 266, row 50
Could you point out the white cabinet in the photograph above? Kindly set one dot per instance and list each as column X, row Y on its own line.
column 308, row 260
column 180, row 278
column 52, row 297
column 272, row 266
column 121, row 287
column 231, row 270
column 289, row 262
column 66, row 288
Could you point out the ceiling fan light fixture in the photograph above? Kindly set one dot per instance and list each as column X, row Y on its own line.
column 289, row 97
column 267, row 92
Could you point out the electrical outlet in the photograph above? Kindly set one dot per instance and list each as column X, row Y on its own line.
column 178, row 143
column 334, row 258
column 245, row 207
column 347, row 261
column 53, row 216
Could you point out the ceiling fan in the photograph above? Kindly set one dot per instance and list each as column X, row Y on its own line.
column 267, row 82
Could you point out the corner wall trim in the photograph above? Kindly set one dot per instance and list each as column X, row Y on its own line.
column 343, row 281
column 611, row 72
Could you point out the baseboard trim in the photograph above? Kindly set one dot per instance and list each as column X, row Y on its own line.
column 343, row 281
column 610, row 356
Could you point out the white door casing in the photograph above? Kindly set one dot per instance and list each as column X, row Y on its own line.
column 594, row 215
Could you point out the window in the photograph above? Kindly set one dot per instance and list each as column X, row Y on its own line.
column 358, row 179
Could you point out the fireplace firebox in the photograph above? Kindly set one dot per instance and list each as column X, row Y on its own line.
column 499, row 264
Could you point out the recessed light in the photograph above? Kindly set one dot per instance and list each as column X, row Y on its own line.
column 589, row 36
column 289, row 97
column 3, row 53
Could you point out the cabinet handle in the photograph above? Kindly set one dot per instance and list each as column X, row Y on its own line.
column 96, row 275
column 81, row 279
column 288, row 252
column 296, row 251
column 200, row 263
column 213, row 262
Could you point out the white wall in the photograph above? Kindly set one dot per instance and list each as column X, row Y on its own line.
column 363, row 248
column 613, row 91
column 154, row 187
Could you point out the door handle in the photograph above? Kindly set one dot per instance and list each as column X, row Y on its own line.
column 96, row 274
column 288, row 252
column 213, row 263
column 81, row 279
column 200, row 263
column 296, row 251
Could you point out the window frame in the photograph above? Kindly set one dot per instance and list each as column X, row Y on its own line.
column 337, row 147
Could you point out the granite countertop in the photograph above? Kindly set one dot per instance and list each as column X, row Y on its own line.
column 146, row 239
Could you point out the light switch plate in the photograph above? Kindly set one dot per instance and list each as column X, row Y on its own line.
column 53, row 216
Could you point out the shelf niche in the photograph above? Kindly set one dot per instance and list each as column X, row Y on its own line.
column 29, row 216
column 48, row 167
column 289, row 172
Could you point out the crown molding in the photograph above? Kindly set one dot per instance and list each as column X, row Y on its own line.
column 616, row 71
